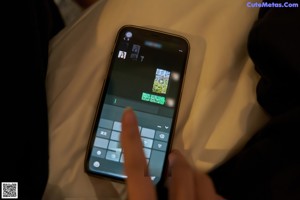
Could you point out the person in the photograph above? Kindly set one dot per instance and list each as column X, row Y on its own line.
column 268, row 166
column 24, row 140
column 184, row 182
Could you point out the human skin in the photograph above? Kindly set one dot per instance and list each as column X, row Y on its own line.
column 184, row 182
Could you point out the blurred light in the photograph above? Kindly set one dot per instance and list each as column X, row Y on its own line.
column 153, row 44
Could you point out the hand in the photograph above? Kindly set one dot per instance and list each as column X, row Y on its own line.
column 184, row 181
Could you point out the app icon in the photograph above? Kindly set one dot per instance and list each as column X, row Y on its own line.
column 122, row 54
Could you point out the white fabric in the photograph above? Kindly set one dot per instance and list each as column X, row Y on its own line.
column 218, row 111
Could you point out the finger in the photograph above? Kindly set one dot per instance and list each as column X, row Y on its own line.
column 139, row 184
column 181, row 183
column 205, row 187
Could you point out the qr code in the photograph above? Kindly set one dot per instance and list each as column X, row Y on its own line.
column 9, row 190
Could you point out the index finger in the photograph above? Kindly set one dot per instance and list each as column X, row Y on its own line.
column 139, row 184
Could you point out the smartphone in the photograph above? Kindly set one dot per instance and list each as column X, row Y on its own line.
column 146, row 73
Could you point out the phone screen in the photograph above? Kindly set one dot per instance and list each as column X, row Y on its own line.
column 146, row 73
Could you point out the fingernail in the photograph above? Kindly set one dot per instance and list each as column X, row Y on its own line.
column 127, row 108
column 128, row 116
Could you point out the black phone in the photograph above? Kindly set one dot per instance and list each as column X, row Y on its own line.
column 146, row 73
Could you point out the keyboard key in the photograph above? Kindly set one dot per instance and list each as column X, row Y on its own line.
column 146, row 132
column 114, row 146
column 100, row 153
column 117, row 126
column 147, row 152
column 156, row 163
column 147, row 142
column 105, row 123
column 159, row 135
column 103, row 133
column 162, row 146
column 113, row 156
column 100, row 142
column 122, row 158
column 115, row 135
